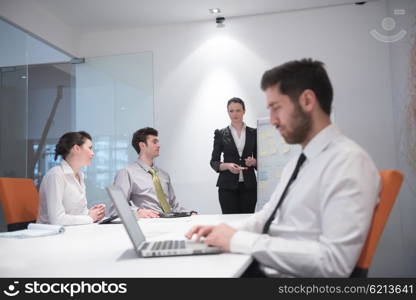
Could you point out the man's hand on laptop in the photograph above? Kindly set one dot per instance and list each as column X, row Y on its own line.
column 219, row 235
column 147, row 213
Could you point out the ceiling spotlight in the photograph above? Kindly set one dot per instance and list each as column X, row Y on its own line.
column 220, row 22
column 215, row 11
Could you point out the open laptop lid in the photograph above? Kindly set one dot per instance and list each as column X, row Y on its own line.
column 127, row 215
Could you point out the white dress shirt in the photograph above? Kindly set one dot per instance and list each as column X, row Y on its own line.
column 62, row 197
column 240, row 142
column 322, row 224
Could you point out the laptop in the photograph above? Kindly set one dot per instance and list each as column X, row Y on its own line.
column 145, row 248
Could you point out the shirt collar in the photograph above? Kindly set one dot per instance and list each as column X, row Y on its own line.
column 321, row 141
column 233, row 129
column 145, row 167
column 66, row 168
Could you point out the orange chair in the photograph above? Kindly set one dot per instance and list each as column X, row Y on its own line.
column 20, row 201
column 391, row 181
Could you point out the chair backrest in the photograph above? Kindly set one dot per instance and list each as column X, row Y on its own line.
column 391, row 182
column 20, row 200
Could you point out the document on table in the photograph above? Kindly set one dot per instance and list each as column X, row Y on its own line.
column 34, row 230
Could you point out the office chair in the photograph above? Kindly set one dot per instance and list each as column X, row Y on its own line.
column 20, row 201
column 391, row 181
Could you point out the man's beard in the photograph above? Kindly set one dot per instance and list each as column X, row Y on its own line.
column 301, row 124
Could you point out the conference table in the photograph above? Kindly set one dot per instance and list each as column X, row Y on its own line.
column 105, row 250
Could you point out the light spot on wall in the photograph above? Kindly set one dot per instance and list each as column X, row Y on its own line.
column 215, row 71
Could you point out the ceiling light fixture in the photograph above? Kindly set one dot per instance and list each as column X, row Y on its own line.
column 220, row 22
column 215, row 11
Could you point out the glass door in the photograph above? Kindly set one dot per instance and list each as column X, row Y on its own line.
column 113, row 99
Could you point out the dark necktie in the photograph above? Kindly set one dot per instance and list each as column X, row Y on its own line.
column 301, row 160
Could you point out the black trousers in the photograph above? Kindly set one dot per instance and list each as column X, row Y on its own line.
column 239, row 201
column 253, row 270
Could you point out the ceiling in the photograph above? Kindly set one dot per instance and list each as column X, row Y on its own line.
column 102, row 15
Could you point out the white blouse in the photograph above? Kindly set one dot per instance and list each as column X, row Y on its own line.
column 240, row 142
column 62, row 197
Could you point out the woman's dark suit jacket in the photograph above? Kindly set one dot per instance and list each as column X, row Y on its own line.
column 224, row 143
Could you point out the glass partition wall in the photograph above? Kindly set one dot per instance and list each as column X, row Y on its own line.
column 13, row 101
column 45, row 93
column 113, row 98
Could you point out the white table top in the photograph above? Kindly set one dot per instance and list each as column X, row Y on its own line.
column 106, row 251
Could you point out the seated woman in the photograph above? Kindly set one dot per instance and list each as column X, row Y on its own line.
column 62, row 191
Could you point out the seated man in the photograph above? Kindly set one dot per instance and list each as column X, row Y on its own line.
column 147, row 187
column 317, row 219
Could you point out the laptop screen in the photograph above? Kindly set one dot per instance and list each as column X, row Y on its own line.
column 126, row 214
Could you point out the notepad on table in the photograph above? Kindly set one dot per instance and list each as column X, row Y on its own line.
column 34, row 230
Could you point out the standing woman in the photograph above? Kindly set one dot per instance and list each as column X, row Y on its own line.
column 62, row 191
column 237, row 185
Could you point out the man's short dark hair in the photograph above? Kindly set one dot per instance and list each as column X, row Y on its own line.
column 141, row 136
column 293, row 77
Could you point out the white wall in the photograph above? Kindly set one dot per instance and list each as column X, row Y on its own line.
column 403, row 221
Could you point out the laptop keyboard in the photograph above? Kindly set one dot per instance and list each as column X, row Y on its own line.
column 163, row 245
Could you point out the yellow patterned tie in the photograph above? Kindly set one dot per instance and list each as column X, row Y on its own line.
column 159, row 192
